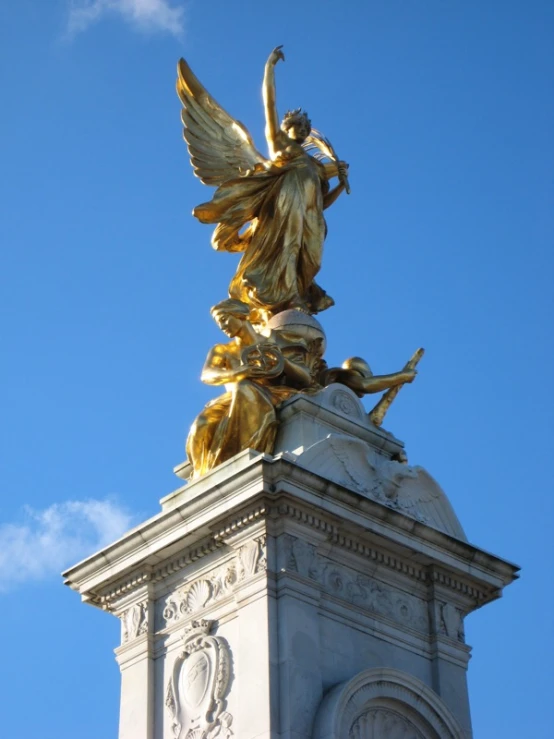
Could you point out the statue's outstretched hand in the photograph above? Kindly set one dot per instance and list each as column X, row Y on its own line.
column 408, row 375
column 275, row 55
column 342, row 169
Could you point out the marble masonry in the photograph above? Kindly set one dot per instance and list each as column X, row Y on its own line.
column 319, row 592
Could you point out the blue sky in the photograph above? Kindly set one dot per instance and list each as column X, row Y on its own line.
column 445, row 112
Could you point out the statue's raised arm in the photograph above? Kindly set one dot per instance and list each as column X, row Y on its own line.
column 273, row 133
column 270, row 209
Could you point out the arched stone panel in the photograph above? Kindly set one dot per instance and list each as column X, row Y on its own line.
column 384, row 704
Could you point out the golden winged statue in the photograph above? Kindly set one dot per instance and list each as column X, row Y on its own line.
column 270, row 209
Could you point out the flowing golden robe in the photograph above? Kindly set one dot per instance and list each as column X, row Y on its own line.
column 283, row 246
column 242, row 418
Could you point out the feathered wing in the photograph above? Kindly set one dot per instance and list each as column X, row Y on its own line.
column 423, row 492
column 220, row 147
column 319, row 147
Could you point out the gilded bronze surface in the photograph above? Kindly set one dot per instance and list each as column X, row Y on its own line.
column 258, row 373
column 356, row 374
column 377, row 415
column 278, row 201
column 269, row 209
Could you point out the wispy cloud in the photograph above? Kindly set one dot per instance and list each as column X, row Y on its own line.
column 144, row 15
column 47, row 541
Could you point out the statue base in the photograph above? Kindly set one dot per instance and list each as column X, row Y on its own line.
column 317, row 592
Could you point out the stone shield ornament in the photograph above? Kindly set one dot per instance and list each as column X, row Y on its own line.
column 198, row 686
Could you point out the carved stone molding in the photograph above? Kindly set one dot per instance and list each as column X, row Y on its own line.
column 381, row 556
column 353, row 463
column 134, row 622
column 299, row 556
column 198, row 686
column 246, row 519
column 195, row 596
column 346, row 404
column 378, row 723
column 346, row 584
column 252, row 558
column 191, row 555
column 451, row 622
column 109, row 598
column 443, row 578
column 375, row 694
column 352, row 544
column 307, row 517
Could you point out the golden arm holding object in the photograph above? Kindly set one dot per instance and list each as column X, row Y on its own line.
column 378, row 413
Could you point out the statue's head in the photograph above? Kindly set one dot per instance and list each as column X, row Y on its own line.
column 296, row 125
column 230, row 315
column 301, row 324
column 358, row 365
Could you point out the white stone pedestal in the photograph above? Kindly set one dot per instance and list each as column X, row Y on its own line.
column 317, row 593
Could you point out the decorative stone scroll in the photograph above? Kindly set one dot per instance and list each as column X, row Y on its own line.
column 197, row 688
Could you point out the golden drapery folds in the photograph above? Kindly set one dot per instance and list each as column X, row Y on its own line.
column 259, row 373
column 271, row 209
column 283, row 249
column 242, row 418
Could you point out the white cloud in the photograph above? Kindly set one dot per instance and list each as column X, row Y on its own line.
column 144, row 15
column 48, row 541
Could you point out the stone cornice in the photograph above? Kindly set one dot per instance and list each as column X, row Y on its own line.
column 271, row 490
column 352, row 508
column 191, row 555
column 425, row 573
column 248, row 518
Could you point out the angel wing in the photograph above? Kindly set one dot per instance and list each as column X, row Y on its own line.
column 422, row 492
column 220, row 147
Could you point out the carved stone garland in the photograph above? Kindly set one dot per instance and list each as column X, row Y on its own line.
column 198, row 685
